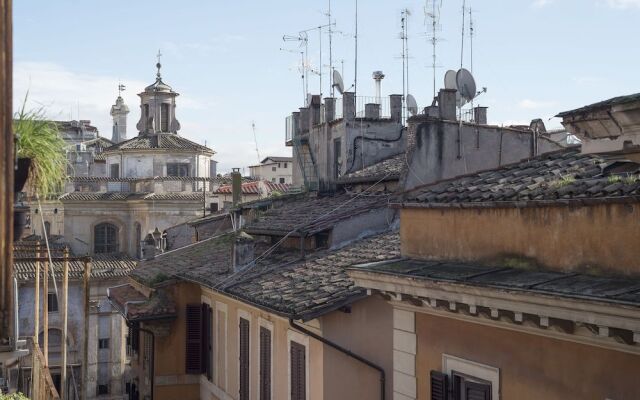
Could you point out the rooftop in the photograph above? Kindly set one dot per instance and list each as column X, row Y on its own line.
column 158, row 141
column 254, row 187
column 125, row 196
column 388, row 169
column 573, row 285
column 561, row 177
column 134, row 305
column 614, row 101
column 314, row 214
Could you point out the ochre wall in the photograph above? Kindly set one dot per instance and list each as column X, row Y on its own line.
column 592, row 239
column 531, row 367
column 367, row 331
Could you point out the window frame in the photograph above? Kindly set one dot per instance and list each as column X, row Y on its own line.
column 302, row 340
column 474, row 371
column 186, row 167
column 101, row 342
column 244, row 315
column 106, row 246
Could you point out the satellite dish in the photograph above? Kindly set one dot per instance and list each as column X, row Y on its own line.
column 337, row 81
column 412, row 106
column 450, row 80
column 466, row 84
column 309, row 99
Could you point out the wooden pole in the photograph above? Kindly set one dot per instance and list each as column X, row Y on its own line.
column 45, row 313
column 36, row 317
column 65, row 291
column 85, row 350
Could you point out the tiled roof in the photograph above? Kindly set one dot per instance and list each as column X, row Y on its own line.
column 559, row 177
column 319, row 284
column 602, row 104
column 162, row 141
column 389, row 168
column 154, row 178
column 134, row 305
column 124, row 196
column 254, row 188
column 207, row 262
column 102, row 267
column 574, row 285
column 314, row 214
column 277, row 159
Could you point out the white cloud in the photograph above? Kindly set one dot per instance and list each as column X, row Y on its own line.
column 535, row 104
column 624, row 4
column 541, row 3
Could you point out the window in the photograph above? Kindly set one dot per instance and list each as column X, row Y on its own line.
column 178, row 169
column 281, row 180
column 193, row 353
column 164, row 117
column 273, row 169
column 103, row 343
column 278, row 165
column 147, row 118
column 52, row 302
column 244, row 359
column 213, row 207
column 209, row 352
column 464, row 380
column 470, row 388
column 47, row 228
column 102, row 390
column 114, row 171
column 298, row 371
column 265, row 363
column 105, row 238
column 285, row 165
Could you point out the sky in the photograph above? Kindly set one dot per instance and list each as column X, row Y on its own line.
column 228, row 60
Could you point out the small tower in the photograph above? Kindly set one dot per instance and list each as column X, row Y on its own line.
column 158, row 107
column 119, row 113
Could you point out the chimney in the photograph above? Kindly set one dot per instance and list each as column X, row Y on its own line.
column 378, row 76
column 447, row 104
column 329, row 109
column 348, row 106
column 243, row 251
column 480, row 115
column 395, row 104
column 304, row 120
column 236, row 186
column 314, row 110
column 372, row 111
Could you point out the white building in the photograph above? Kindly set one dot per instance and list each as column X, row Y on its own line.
column 273, row 169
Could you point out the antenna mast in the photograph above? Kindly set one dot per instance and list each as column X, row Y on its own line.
column 330, row 51
column 355, row 36
column 464, row 7
column 432, row 14
column 404, row 14
column 255, row 139
column 471, row 45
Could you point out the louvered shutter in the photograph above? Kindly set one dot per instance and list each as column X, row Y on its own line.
column 265, row 364
column 298, row 372
column 193, row 353
column 244, row 359
column 134, row 335
column 206, row 340
column 439, row 386
column 477, row 391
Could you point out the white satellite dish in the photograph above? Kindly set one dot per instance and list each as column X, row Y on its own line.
column 450, row 80
column 337, row 81
column 412, row 106
column 466, row 84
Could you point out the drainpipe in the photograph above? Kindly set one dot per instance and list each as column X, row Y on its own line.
column 341, row 349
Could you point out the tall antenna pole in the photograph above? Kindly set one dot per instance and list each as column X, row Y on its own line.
column 404, row 79
column 471, row 46
column 464, row 7
column 255, row 139
column 432, row 13
column 330, row 52
column 355, row 75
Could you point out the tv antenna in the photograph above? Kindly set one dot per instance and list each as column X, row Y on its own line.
column 303, row 39
column 432, row 20
column 330, row 48
column 255, row 139
column 303, row 71
column 404, row 21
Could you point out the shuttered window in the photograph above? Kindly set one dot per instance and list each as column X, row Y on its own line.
column 244, row 359
column 298, row 372
column 193, row 352
column 265, row 363
column 222, row 349
column 477, row 391
column 207, row 337
column 439, row 386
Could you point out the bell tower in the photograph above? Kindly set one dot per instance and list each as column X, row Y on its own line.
column 158, row 107
column 119, row 113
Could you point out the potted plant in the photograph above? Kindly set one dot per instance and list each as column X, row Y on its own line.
column 41, row 161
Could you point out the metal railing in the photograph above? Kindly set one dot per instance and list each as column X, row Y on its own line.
column 384, row 102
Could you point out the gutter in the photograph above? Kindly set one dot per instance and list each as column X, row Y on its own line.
column 341, row 349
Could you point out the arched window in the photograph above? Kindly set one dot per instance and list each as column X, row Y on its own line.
column 105, row 238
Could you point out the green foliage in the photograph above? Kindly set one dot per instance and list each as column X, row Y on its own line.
column 39, row 139
column 564, row 180
column 614, row 178
column 631, row 179
column 14, row 396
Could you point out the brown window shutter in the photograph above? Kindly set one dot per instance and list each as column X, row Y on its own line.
column 439, row 386
column 298, row 372
column 206, row 340
column 244, row 359
column 477, row 391
column 265, row 363
column 193, row 353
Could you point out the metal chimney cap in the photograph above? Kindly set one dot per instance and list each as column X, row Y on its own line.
column 378, row 75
